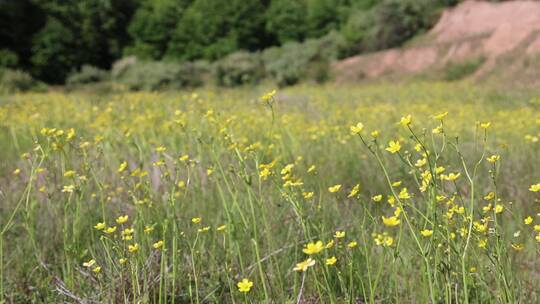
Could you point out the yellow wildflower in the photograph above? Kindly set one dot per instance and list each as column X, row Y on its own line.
column 354, row 191
column 122, row 219
column 133, row 248
column 393, row 146
column 90, row 263
column 534, row 188
column 405, row 120
column 303, row 266
column 244, row 285
column 158, row 244
column 334, row 189
column 339, row 234
column 440, row 116
column 391, row 221
column 493, row 158
column 110, row 230
column 313, row 248
column 122, row 167
column 268, row 96
column 426, row 232
column 331, row 261
column 357, row 128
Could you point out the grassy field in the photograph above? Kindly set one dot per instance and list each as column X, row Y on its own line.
column 312, row 195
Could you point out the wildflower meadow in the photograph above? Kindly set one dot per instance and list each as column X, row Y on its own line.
column 379, row 193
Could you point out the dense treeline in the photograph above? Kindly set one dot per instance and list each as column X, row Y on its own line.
column 51, row 39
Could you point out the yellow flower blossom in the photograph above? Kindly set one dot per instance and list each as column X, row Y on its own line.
column 313, row 248
column 307, row 195
column 357, row 128
column 440, row 116
column 133, row 248
column 110, row 230
column 390, row 221
column 393, row 146
column 122, row 219
column 122, row 167
column 426, row 233
column 405, row 120
column 244, row 285
column 90, row 263
column 331, row 261
column 334, row 189
column 354, row 191
column 493, row 158
column 535, row 188
column 339, row 234
column 221, row 228
column 268, row 97
column 404, row 194
column 303, row 266
column 158, row 244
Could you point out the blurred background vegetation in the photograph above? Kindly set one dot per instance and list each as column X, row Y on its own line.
column 154, row 44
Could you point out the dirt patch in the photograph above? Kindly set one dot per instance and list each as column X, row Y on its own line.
column 470, row 30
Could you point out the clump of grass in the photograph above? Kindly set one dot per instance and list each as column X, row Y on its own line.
column 460, row 70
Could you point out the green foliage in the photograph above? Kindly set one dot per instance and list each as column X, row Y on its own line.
column 77, row 33
column 459, row 70
column 358, row 31
column 154, row 75
column 295, row 61
column 396, row 21
column 17, row 81
column 235, row 24
column 239, row 68
column 152, row 26
column 57, row 37
column 19, row 21
column 87, row 74
column 8, row 59
column 286, row 20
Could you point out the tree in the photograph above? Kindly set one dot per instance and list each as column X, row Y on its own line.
column 212, row 29
column 79, row 32
column 152, row 27
column 286, row 20
column 19, row 21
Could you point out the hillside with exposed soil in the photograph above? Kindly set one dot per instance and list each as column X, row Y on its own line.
column 476, row 40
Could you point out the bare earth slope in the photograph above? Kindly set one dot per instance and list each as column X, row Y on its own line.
column 506, row 35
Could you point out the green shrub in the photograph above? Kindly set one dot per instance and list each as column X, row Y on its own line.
column 295, row 61
column 153, row 75
column 286, row 20
column 239, row 68
column 8, row 59
column 87, row 74
column 459, row 70
column 357, row 31
column 121, row 66
column 396, row 21
column 18, row 81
